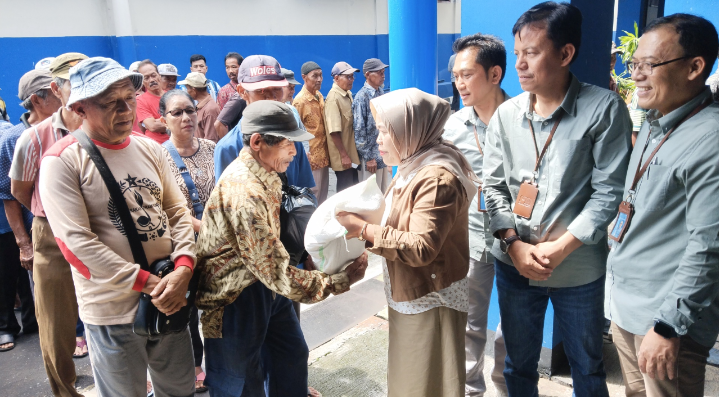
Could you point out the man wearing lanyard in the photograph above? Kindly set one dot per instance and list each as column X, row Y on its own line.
column 479, row 68
column 551, row 190
column 663, row 273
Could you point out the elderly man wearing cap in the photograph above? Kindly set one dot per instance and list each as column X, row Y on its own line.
column 243, row 267
column 207, row 110
column 261, row 78
column 55, row 293
column 311, row 106
column 86, row 226
column 339, row 126
column 168, row 76
column 364, row 126
column 16, row 245
column 148, row 104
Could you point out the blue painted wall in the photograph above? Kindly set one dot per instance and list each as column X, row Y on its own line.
column 708, row 9
column 20, row 54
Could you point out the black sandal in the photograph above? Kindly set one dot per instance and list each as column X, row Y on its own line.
column 5, row 339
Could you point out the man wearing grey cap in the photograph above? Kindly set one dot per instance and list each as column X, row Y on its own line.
column 168, row 76
column 339, row 126
column 34, row 92
column 365, row 129
column 243, row 265
column 87, row 228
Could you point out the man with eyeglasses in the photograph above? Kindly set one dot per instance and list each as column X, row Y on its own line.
column 365, row 130
column 339, row 126
column 663, row 275
column 260, row 78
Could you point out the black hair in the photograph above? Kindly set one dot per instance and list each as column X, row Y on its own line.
column 490, row 51
column 236, row 56
column 147, row 62
column 697, row 36
column 171, row 94
column 270, row 140
column 197, row 57
column 562, row 21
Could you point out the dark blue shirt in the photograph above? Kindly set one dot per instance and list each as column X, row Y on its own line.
column 228, row 149
column 8, row 139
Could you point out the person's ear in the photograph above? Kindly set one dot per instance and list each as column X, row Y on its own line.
column 55, row 90
column 256, row 142
column 79, row 109
column 243, row 93
column 495, row 74
column 697, row 66
column 567, row 52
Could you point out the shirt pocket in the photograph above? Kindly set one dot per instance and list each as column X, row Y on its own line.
column 570, row 164
column 652, row 191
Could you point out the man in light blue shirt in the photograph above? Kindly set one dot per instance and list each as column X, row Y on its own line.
column 662, row 290
column 479, row 67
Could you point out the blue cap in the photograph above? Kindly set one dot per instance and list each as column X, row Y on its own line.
column 92, row 76
column 343, row 68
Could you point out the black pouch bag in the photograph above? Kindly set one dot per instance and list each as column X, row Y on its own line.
column 149, row 321
column 298, row 205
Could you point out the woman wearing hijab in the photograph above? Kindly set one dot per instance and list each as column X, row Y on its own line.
column 424, row 241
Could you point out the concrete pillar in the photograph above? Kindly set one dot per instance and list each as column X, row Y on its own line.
column 413, row 44
column 123, row 41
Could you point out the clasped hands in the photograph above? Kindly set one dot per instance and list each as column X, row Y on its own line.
column 169, row 293
column 537, row 262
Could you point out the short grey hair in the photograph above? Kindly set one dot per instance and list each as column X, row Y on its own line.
column 42, row 94
column 270, row 140
column 60, row 81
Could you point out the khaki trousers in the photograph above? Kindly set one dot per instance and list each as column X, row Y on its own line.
column 384, row 176
column 322, row 184
column 55, row 308
column 426, row 353
column 691, row 365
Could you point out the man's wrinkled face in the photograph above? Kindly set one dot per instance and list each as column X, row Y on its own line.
column 289, row 92
column 277, row 157
column 264, row 94
column 199, row 66
column 376, row 78
column 151, row 79
column 538, row 60
column 345, row 81
column 112, row 113
column 313, row 80
column 232, row 67
column 168, row 83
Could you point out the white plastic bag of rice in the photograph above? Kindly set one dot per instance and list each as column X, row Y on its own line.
column 325, row 237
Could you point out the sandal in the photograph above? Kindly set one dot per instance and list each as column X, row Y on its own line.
column 311, row 392
column 150, row 389
column 4, row 340
column 80, row 344
column 200, row 378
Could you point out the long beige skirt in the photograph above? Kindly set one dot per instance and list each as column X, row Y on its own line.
column 426, row 353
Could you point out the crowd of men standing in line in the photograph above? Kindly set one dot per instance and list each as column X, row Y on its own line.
column 559, row 178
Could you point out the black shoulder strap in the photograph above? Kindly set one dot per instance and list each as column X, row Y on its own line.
column 128, row 224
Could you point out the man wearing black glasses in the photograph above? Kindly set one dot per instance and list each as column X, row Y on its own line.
column 663, row 273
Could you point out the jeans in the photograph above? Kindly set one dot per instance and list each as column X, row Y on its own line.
column 579, row 316
column 261, row 340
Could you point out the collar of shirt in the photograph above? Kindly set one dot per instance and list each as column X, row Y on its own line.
column 271, row 180
column 375, row 91
column 340, row 91
column 23, row 119
column 472, row 118
column 204, row 102
column 569, row 104
column 656, row 119
column 58, row 124
column 308, row 96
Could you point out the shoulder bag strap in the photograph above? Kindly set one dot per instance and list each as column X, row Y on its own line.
column 138, row 253
column 194, row 195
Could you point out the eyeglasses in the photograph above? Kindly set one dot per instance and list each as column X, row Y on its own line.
column 647, row 68
column 179, row 112
column 348, row 76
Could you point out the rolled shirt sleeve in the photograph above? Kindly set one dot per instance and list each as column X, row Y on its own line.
column 497, row 195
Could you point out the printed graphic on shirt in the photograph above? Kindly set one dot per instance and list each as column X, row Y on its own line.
column 143, row 198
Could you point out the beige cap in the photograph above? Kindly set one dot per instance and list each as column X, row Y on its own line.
column 194, row 79
column 60, row 67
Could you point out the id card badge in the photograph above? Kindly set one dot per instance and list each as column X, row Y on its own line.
column 481, row 206
column 526, row 198
column 621, row 224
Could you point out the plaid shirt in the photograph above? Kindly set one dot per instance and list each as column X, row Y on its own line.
column 365, row 129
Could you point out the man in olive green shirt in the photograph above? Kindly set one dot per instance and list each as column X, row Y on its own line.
column 556, row 247
column 663, row 277
column 339, row 126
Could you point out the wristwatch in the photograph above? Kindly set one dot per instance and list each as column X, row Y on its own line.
column 504, row 243
column 665, row 330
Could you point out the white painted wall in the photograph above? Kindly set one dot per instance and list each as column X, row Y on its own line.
column 53, row 18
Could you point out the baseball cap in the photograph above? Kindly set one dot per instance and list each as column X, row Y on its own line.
column 60, row 67
column 272, row 118
column 92, row 76
column 194, row 79
column 32, row 82
column 167, row 69
column 260, row 71
column 343, row 68
column 373, row 65
column 309, row 66
column 290, row 77
column 44, row 63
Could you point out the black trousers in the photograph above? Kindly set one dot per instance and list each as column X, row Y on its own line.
column 346, row 178
column 197, row 347
column 14, row 280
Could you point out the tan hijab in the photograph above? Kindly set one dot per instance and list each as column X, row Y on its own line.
column 416, row 121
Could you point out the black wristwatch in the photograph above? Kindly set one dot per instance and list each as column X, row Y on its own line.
column 504, row 243
column 665, row 330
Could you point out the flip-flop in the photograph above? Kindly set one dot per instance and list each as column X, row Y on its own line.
column 7, row 338
column 203, row 388
column 81, row 344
